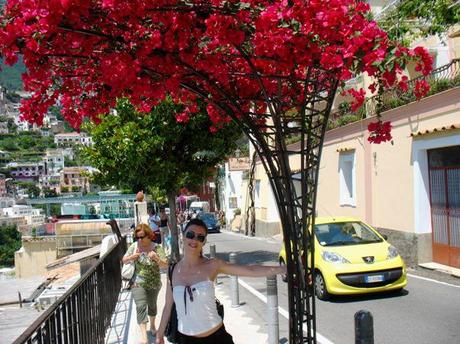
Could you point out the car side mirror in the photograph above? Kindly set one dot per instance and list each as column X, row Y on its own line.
column 385, row 236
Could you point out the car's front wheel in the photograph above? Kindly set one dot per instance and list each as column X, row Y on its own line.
column 320, row 287
column 283, row 276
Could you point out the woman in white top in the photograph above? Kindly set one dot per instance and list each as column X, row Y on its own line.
column 193, row 290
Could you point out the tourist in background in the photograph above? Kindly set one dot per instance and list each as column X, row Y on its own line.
column 154, row 223
column 164, row 228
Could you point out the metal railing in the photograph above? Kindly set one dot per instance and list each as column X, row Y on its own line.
column 440, row 79
column 83, row 313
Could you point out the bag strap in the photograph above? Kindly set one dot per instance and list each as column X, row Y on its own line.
column 170, row 273
column 135, row 267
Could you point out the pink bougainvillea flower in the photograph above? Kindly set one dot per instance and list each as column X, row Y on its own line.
column 379, row 132
column 232, row 54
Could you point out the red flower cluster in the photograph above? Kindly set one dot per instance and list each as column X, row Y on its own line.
column 379, row 132
column 359, row 97
column 421, row 88
column 237, row 55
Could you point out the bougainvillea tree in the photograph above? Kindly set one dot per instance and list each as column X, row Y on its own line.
column 271, row 66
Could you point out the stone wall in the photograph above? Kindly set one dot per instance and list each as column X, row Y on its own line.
column 32, row 258
column 267, row 229
column 413, row 248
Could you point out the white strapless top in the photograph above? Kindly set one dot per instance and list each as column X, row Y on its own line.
column 196, row 308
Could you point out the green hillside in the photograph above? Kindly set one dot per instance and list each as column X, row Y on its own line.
column 10, row 77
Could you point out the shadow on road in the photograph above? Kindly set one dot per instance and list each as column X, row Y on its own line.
column 367, row 297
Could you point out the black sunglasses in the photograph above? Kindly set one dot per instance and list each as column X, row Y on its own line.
column 192, row 235
column 141, row 237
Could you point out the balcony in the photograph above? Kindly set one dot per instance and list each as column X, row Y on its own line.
column 440, row 79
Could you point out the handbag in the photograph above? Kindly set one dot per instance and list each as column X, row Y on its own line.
column 220, row 308
column 127, row 272
column 171, row 331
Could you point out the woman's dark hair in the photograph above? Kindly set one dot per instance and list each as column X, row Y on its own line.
column 196, row 222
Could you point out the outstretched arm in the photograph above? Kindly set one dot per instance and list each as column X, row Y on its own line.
column 249, row 270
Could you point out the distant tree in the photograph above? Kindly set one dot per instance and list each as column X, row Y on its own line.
column 155, row 150
column 70, row 162
column 32, row 189
column 10, row 242
column 12, row 127
column 54, row 209
column 9, row 145
column 47, row 192
column 13, row 96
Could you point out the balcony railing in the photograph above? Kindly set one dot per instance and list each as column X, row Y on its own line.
column 83, row 313
column 440, row 79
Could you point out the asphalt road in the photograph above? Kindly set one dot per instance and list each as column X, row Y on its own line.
column 427, row 312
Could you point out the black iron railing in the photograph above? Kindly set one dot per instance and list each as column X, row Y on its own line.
column 440, row 79
column 83, row 313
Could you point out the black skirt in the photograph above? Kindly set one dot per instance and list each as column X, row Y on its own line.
column 221, row 336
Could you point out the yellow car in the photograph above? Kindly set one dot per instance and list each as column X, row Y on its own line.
column 353, row 258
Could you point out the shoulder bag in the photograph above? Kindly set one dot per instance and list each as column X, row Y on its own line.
column 171, row 332
column 127, row 272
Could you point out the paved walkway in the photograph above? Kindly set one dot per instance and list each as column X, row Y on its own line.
column 245, row 323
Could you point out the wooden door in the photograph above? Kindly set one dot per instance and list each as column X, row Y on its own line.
column 444, row 165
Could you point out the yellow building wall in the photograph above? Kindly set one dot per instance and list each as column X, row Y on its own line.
column 328, row 200
column 385, row 172
column 392, row 182
column 33, row 257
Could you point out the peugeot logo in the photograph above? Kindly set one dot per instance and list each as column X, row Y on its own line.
column 368, row 259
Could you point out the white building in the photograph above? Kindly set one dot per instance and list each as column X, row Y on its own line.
column 67, row 138
column 6, row 202
column 73, row 138
column 86, row 140
column 27, row 170
column 24, row 215
column 54, row 161
column 235, row 168
column 20, row 210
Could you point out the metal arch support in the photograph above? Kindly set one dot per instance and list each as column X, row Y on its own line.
column 297, row 209
column 269, row 133
column 296, row 205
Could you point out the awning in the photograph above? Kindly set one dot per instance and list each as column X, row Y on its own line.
column 435, row 130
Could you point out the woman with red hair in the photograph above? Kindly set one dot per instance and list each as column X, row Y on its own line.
column 149, row 257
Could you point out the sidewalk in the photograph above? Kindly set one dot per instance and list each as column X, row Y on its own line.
column 245, row 323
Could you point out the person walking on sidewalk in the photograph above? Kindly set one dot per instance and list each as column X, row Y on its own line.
column 164, row 228
column 154, row 222
column 149, row 257
column 192, row 280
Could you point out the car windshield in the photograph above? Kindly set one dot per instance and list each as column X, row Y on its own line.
column 345, row 233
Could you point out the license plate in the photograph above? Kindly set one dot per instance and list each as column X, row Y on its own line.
column 374, row 278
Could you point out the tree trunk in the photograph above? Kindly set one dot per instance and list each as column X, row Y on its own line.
column 175, row 256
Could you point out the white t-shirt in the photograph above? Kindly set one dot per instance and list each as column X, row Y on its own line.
column 153, row 222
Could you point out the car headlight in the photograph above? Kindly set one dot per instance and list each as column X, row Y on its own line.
column 392, row 252
column 333, row 257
